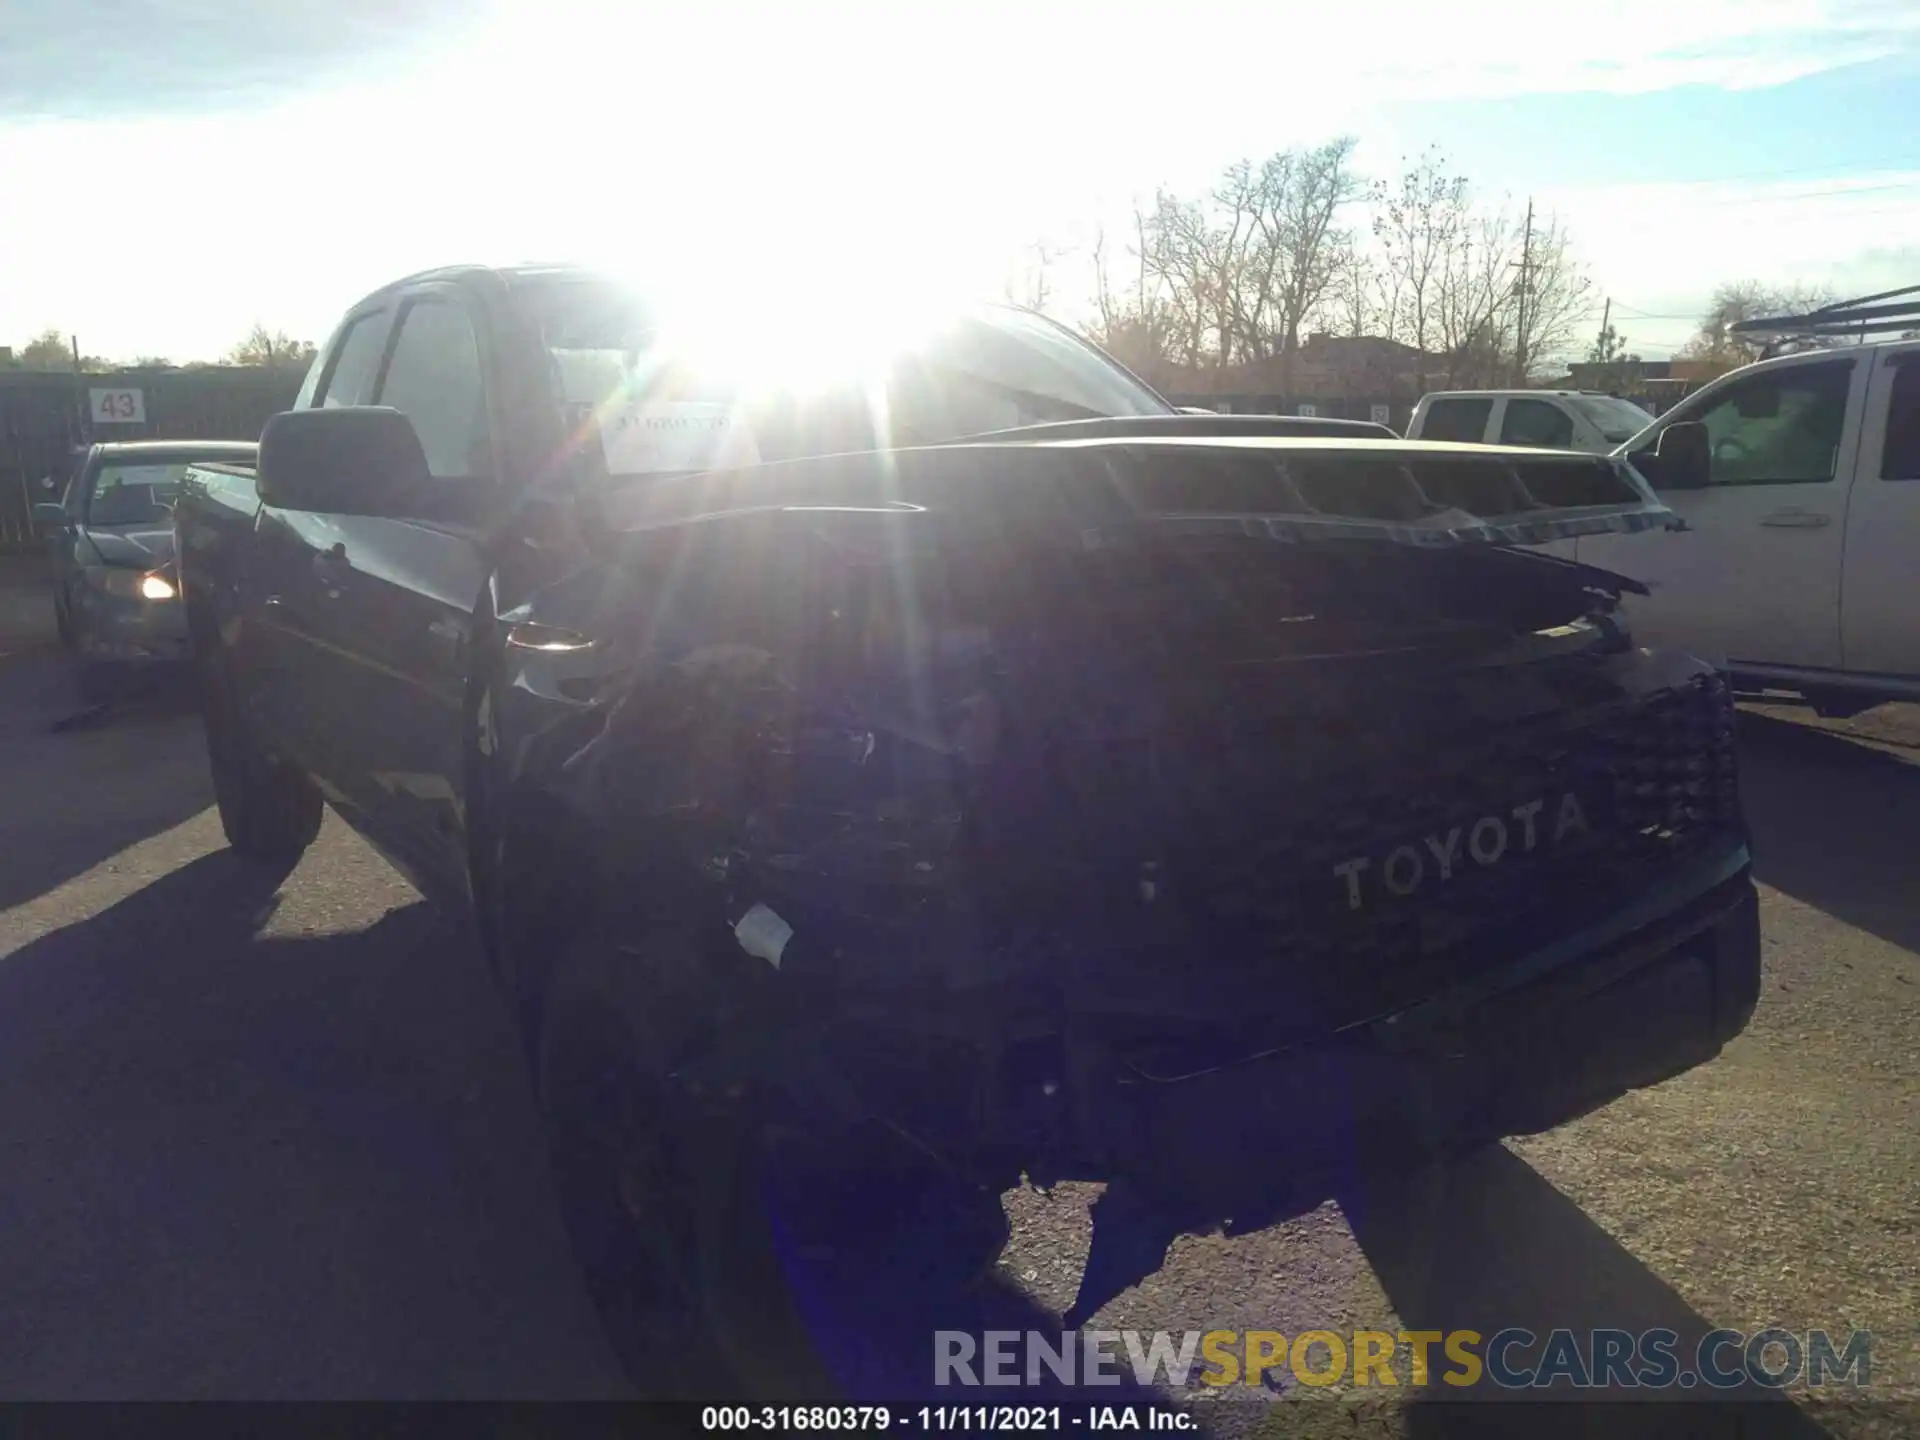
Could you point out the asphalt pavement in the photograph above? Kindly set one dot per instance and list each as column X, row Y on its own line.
column 267, row 1135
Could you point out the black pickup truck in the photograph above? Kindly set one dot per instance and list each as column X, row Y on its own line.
column 877, row 794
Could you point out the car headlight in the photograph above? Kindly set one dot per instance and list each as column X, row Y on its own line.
column 130, row 584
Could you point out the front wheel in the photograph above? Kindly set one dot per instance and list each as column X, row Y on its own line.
column 669, row 1210
column 269, row 810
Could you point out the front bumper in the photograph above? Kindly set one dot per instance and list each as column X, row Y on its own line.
column 114, row 629
column 1535, row 1045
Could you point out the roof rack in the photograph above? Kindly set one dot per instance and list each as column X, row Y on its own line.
column 1843, row 320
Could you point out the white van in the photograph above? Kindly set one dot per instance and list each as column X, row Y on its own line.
column 1548, row 419
column 1800, row 565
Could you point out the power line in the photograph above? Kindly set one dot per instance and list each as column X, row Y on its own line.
column 1827, row 192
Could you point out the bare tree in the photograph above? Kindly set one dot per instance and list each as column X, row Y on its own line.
column 49, row 350
column 1473, row 310
column 1185, row 258
column 53, row 350
column 271, row 348
column 1236, row 273
column 1132, row 323
column 1029, row 281
column 1451, row 276
column 1302, row 203
column 1418, row 227
column 1559, row 301
column 1620, row 369
column 1355, row 302
column 1741, row 300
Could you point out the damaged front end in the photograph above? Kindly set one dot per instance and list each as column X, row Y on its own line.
column 1174, row 816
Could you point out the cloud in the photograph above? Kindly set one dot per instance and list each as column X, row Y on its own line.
column 103, row 59
column 1660, row 250
column 1233, row 59
column 1870, row 271
column 723, row 138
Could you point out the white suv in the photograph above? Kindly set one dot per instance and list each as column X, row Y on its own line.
column 1550, row 419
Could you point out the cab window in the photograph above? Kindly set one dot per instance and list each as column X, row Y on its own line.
column 1539, row 423
column 1900, row 457
column 354, row 363
column 434, row 380
column 1780, row 427
column 1462, row 419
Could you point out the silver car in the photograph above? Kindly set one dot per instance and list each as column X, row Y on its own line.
column 116, row 597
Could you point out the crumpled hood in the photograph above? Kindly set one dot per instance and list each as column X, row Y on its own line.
column 140, row 547
column 1093, row 490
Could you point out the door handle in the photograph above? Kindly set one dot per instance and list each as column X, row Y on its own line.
column 1796, row 519
column 449, row 638
column 331, row 567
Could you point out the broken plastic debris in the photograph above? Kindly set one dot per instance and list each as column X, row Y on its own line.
column 764, row 934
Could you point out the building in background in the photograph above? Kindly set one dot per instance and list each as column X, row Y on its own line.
column 1655, row 384
column 1348, row 377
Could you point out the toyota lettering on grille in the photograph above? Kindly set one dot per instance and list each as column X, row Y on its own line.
column 1481, row 843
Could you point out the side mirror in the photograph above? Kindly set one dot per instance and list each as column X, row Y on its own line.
column 1683, row 455
column 354, row 460
column 50, row 515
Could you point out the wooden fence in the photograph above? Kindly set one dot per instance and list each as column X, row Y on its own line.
column 45, row 416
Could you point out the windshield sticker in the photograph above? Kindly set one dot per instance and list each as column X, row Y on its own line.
column 114, row 476
column 660, row 437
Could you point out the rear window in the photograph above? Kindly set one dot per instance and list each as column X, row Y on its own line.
column 135, row 494
column 1464, row 420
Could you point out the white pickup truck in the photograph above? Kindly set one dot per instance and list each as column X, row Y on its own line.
column 1800, row 566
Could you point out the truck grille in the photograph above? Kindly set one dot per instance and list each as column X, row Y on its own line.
column 1655, row 779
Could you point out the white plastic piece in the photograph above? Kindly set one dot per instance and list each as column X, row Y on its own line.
column 764, row 934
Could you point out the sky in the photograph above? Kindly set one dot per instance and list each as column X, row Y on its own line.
column 172, row 171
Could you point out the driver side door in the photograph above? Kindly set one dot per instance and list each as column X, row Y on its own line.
column 1756, row 575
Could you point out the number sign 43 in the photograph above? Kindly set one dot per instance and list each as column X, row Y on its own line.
column 117, row 407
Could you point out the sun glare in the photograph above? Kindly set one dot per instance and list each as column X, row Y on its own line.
column 773, row 339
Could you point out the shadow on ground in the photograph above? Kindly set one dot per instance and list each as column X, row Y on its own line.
column 1836, row 824
column 1487, row 1243
column 253, row 1167
column 275, row 1168
column 133, row 770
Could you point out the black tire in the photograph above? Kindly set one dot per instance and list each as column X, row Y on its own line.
column 665, row 1208
column 269, row 810
column 1840, row 704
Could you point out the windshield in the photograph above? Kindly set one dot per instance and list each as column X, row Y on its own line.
column 661, row 412
column 1617, row 419
column 134, row 494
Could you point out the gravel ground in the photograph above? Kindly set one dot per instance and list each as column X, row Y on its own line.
column 267, row 1136
column 1779, row 1185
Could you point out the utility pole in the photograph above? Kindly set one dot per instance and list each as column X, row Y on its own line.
column 1526, row 277
column 1606, row 317
column 80, row 401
